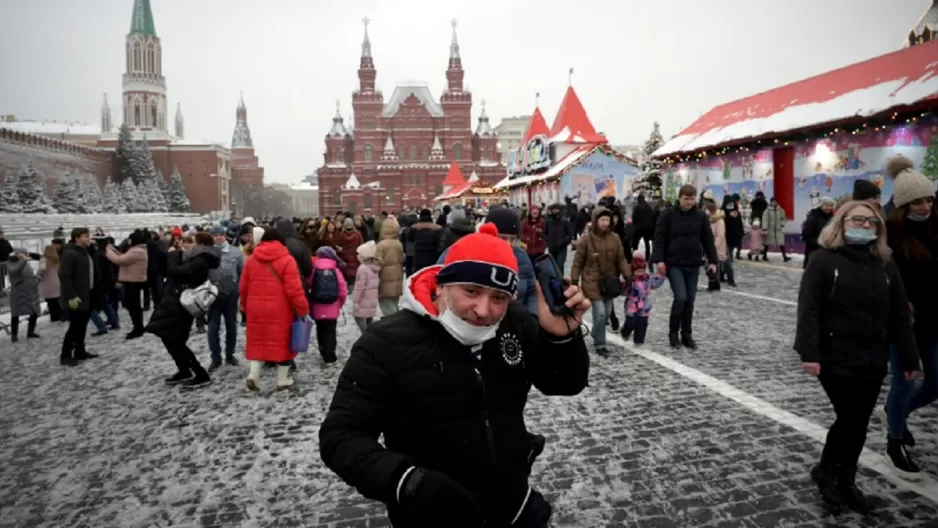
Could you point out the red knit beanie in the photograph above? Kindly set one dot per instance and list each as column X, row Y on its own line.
column 177, row 232
column 482, row 259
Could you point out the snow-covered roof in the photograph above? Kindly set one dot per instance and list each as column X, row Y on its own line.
column 52, row 127
column 864, row 89
column 484, row 128
column 304, row 186
column 474, row 177
column 419, row 90
column 572, row 125
column 537, row 126
column 182, row 142
column 352, row 182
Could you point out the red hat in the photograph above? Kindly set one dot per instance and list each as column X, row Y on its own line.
column 177, row 232
column 638, row 260
column 483, row 259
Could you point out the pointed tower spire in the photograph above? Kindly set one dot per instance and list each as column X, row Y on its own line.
column 366, row 66
column 572, row 125
column 143, row 96
column 106, row 123
column 484, row 128
column 141, row 22
column 338, row 125
column 390, row 153
column 454, row 72
column 436, row 151
column 537, row 126
column 454, row 45
column 366, row 42
column 180, row 128
column 241, row 138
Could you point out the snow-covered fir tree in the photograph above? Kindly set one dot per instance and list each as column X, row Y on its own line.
column 164, row 189
column 648, row 181
column 146, row 178
column 113, row 200
column 67, row 198
column 92, row 201
column 9, row 199
column 152, row 196
column 130, row 196
column 124, row 154
column 178, row 198
column 31, row 190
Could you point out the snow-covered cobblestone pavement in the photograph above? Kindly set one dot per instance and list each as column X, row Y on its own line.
column 723, row 436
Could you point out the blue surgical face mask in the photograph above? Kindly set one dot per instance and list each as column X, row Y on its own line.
column 859, row 236
column 917, row 217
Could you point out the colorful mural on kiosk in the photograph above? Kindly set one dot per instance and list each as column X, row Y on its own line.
column 825, row 167
column 598, row 175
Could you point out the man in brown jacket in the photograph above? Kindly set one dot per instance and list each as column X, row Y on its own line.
column 598, row 263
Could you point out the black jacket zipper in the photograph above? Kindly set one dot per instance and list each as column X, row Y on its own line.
column 489, row 435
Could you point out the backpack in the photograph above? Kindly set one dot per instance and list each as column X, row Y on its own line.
column 197, row 301
column 325, row 286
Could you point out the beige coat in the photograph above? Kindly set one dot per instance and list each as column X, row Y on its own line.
column 773, row 224
column 718, row 226
column 598, row 255
column 390, row 253
column 133, row 263
column 49, row 285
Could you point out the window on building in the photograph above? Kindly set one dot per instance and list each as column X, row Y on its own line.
column 138, row 57
column 367, row 201
column 153, row 121
column 389, row 197
column 457, row 152
column 151, row 59
column 353, row 207
column 368, row 153
column 413, row 152
column 418, row 180
column 424, row 151
column 437, row 190
column 337, row 198
column 137, row 116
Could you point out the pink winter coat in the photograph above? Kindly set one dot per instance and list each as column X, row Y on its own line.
column 755, row 239
column 330, row 312
column 365, row 295
column 133, row 263
column 49, row 286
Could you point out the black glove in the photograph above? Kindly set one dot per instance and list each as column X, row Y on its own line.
column 430, row 498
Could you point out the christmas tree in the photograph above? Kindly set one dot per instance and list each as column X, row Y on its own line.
column 152, row 196
column 130, row 197
column 113, row 200
column 164, row 189
column 9, row 199
column 31, row 190
column 146, row 176
column 930, row 163
column 92, row 202
column 67, row 198
column 124, row 154
column 649, row 179
column 178, row 198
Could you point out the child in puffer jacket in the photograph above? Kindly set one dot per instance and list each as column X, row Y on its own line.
column 637, row 301
column 327, row 276
column 756, row 247
column 365, row 294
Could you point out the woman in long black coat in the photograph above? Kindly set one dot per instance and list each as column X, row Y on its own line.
column 171, row 322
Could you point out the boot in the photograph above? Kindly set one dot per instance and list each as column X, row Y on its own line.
column 284, row 381
column 688, row 341
column 675, row 342
column 847, row 486
column 254, row 376
column 824, row 476
column 897, row 456
column 785, row 256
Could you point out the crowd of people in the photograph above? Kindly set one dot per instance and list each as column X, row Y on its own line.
column 446, row 356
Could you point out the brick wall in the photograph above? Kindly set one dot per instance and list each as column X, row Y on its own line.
column 51, row 157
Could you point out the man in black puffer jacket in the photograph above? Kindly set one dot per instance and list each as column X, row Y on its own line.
column 446, row 380
column 425, row 235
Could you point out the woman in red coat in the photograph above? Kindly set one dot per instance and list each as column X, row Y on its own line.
column 272, row 296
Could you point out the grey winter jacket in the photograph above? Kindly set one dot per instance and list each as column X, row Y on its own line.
column 24, row 291
column 227, row 276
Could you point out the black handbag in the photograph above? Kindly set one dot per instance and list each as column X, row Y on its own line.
column 609, row 285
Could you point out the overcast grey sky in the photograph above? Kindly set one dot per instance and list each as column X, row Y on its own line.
column 635, row 61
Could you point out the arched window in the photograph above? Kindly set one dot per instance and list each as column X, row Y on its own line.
column 368, row 154
column 129, row 52
column 337, row 198
column 413, row 152
column 138, row 57
column 138, row 119
column 151, row 59
column 457, row 152
column 390, row 196
column 367, row 201
column 153, row 113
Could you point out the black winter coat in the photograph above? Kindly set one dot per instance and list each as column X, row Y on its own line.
column 297, row 248
column 453, row 232
column 919, row 276
column 643, row 217
column 815, row 222
column 6, row 249
column 683, row 238
column 851, row 307
column 106, row 270
column 75, row 269
column 183, row 270
column 426, row 239
column 441, row 409
column 757, row 207
column 558, row 233
column 156, row 257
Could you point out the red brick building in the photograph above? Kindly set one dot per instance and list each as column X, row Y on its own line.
column 401, row 149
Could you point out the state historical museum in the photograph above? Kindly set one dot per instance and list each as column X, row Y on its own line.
column 401, row 148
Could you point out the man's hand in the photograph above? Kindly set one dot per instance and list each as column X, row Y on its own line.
column 74, row 303
column 562, row 325
column 813, row 369
column 662, row 268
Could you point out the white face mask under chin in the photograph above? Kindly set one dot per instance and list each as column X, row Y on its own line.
column 466, row 333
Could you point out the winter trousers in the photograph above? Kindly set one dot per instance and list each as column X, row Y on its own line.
column 224, row 308
column 683, row 282
column 906, row 397
column 73, row 345
column 853, row 399
column 560, row 257
column 646, row 235
column 30, row 325
column 636, row 326
column 326, row 339
column 183, row 356
column 132, row 292
column 363, row 322
column 388, row 305
column 55, row 309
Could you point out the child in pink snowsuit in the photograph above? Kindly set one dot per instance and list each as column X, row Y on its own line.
column 637, row 302
column 756, row 247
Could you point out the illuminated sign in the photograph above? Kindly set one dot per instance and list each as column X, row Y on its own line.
column 534, row 156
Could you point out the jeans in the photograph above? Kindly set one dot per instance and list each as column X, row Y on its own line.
column 388, row 305
column 224, row 307
column 560, row 257
column 727, row 265
column 601, row 310
column 853, row 399
column 111, row 315
column 132, row 291
column 74, row 341
column 683, row 282
column 905, row 397
column 363, row 322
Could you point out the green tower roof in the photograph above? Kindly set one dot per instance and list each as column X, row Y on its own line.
column 141, row 23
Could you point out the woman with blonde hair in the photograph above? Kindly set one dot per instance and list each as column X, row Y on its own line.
column 851, row 307
column 50, row 290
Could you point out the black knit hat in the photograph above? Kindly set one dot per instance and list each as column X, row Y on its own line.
column 505, row 220
column 865, row 189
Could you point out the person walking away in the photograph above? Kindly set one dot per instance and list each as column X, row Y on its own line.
column 329, row 294
column 365, row 295
column 226, row 277
column 79, row 281
column 425, row 234
column 637, row 298
column 274, row 296
column 458, row 227
column 558, row 234
column 486, row 351
column 756, row 235
column 815, row 223
column 407, row 241
column 682, row 239
column 912, row 234
column 132, row 276
column 532, row 233
column 50, row 290
column 718, row 226
column 24, row 294
column 735, row 231
column 171, row 322
column 349, row 240
column 773, row 224
column 156, row 268
column 851, row 306
column 643, row 223
column 598, row 263
column 757, row 207
column 107, row 286
column 390, row 254
column 867, row 191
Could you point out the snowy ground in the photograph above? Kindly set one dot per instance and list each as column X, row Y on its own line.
column 723, row 436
